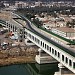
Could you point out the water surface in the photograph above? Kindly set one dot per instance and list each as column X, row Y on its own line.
column 29, row 69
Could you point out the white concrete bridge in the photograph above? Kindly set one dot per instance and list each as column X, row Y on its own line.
column 62, row 54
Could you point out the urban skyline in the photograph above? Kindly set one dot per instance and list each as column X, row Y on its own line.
column 38, row 0
column 37, row 37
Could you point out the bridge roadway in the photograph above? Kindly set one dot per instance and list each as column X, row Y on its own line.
column 68, row 50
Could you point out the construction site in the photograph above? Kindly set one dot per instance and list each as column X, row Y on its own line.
column 14, row 51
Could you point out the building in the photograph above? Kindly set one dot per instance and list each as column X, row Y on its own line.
column 38, row 3
column 20, row 4
column 65, row 32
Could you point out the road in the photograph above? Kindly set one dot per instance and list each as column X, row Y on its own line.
column 66, row 49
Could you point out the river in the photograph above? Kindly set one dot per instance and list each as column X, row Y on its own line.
column 29, row 69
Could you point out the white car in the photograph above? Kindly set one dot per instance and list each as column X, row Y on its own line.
column 46, row 27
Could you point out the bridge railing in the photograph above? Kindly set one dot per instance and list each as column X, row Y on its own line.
column 54, row 43
column 67, row 40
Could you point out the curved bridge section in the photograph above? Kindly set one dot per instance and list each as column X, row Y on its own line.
column 58, row 52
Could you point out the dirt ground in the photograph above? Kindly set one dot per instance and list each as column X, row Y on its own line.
column 21, row 53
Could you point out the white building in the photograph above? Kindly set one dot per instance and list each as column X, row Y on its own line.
column 65, row 32
column 6, row 4
column 20, row 4
column 38, row 3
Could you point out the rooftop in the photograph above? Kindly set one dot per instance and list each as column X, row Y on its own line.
column 66, row 29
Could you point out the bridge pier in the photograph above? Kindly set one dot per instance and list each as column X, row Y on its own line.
column 60, row 66
column 63, row 70
column 44, row 58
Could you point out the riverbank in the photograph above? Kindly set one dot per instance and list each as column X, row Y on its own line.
column 16, row 52
column 18, row 55
column 16, row 60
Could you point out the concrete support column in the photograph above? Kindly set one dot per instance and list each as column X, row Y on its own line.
column 43, row 58
column 9, row 27
column 40, row 50
column 18, row 32
column 6, row 25
column 63, row 70
column 13, row 28
column 22, row 34
column 60, row 68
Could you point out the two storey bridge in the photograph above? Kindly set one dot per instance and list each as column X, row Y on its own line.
column 61, row 53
